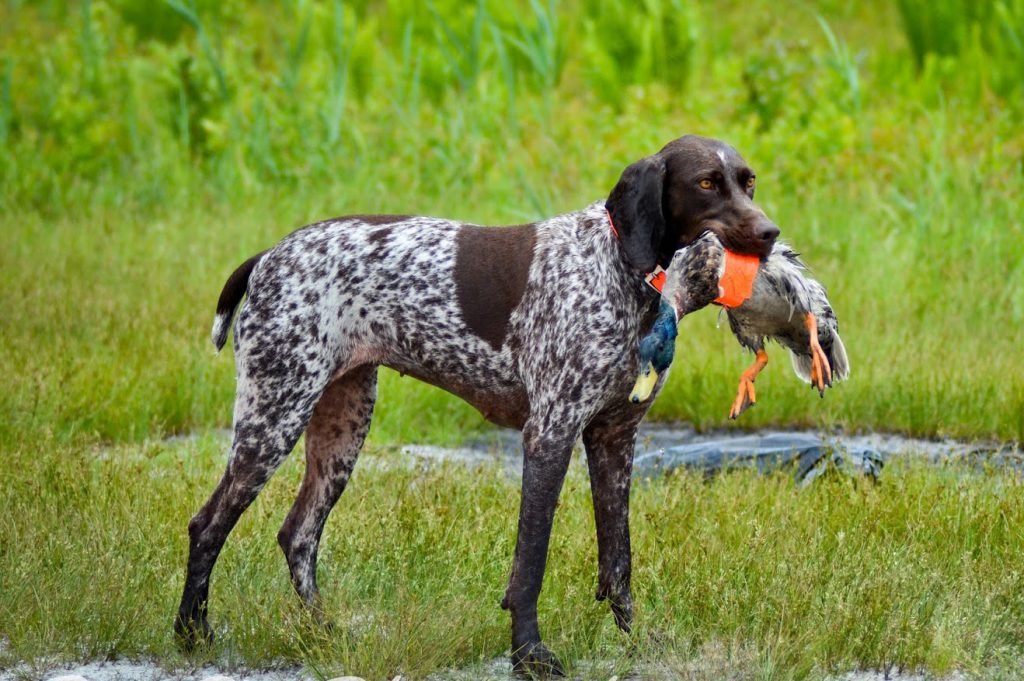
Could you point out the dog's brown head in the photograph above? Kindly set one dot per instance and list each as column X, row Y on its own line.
column 692, row 186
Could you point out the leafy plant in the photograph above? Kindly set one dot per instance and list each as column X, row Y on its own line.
column 989, row 34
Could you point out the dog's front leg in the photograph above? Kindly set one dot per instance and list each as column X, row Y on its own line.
column 547, row 448
column 609, row 445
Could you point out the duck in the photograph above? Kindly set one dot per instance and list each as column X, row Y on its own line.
column 776, row 300
column 695, row 285
column 790, row 307
column 656, row 351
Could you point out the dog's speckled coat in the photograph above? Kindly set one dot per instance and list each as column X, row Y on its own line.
column 536, row 325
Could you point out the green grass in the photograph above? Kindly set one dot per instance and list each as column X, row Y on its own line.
column 143, row 162
column 923, row 569
column 146, row 149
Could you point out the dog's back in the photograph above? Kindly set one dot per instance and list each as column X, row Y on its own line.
column 480, row 311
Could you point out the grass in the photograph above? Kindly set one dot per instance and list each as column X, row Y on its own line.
column 146, row 149
column 145, row 162
column 108, row 310
column 923, row 569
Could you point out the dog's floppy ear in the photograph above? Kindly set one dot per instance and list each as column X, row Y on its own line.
column 635, row 209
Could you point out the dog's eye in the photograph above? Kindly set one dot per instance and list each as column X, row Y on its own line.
column 750, row 182
column 706, row 184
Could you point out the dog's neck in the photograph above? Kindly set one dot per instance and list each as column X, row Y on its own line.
column 656, row 277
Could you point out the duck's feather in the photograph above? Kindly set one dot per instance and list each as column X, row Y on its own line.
column 783, row 295
column 836, row 354
column 784, row 272
column 693, row 275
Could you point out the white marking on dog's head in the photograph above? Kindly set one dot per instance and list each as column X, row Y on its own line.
column 721, row 155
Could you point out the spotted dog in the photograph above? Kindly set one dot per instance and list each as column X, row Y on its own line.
column 535, row 325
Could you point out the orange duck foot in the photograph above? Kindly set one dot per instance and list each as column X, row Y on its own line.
column 821, row 371
column 745, row 395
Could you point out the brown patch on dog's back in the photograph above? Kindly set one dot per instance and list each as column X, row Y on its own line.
column 492, row 266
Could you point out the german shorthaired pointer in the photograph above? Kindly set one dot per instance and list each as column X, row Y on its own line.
column 540, row 335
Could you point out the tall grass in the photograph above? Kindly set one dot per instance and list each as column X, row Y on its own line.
column 145, row 153
column 746, row 573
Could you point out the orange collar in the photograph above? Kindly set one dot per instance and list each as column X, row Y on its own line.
column 656, row 278
column 737, row 282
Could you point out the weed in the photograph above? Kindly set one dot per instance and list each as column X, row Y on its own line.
column 744, row 572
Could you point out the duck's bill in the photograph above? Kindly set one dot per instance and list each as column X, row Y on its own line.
column 644, row 385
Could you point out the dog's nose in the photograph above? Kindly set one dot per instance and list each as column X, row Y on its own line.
column 766, row 231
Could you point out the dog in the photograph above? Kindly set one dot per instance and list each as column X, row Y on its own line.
column 535, row 325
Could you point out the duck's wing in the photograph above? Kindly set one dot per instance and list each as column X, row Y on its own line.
column 787, row 275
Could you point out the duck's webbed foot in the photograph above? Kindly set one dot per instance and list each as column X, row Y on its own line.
column 745, row 395
column 821, row 371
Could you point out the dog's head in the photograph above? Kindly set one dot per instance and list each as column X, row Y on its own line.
column 692, row 186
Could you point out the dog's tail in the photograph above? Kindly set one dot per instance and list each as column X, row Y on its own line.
column 234, row 288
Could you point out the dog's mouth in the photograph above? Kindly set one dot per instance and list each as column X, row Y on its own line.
column 756, row 237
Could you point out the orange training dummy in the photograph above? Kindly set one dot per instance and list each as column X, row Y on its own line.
column 737, row 282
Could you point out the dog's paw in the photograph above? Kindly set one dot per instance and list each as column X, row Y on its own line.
column 623, row 613
column 622, row 607
column 535, row 661
column 192, row 634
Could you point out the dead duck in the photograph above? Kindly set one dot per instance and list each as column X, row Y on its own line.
column 695, row 285
column 788, row 306
column 772, row 299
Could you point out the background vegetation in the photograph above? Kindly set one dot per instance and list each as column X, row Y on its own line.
column 146, row 148
column 150, row 147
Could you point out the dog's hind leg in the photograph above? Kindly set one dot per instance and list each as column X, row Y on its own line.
column 272, row 407
column 609, row 445
column 334, row 437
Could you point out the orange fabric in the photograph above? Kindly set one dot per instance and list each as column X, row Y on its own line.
column 656, row 279
column 737, row 282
